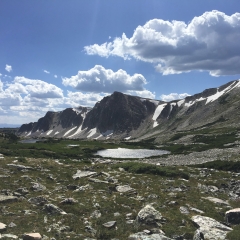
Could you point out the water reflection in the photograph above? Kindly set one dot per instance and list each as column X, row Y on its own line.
column 130, row 153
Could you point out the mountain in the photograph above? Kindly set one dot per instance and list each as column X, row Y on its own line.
column 121, row 116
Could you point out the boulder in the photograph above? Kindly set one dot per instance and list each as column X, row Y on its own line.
column 149, row 216
column 32, row 236
column 3, row 227
column 37, row 187
column 52, row 209
column 210, row 228
column 198, row 235
column 217, row 200
column 39, row 200
column 125, row 189
column 109, row 224
column 145, row 236
column 233, row 216
column 82, row 174
column 7, row 199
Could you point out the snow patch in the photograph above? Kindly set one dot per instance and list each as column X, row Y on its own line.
column 157, row 113
column 66, row 133
column 127, row 138
column 28, row 134
column 77, row 132
column 92, row 132
column 56, row 133
column 49, row 132
column 179, row 103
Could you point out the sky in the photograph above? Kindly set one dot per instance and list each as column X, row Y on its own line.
column 56, row 54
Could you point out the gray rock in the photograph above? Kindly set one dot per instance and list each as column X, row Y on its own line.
column 145, row 236
column 32, row 236
column 3, row 227
column 90, row 229
column 96, row 214
column 95, row 180
column 210, row 228
column 37, row 187
column 7, row 199
column 8, row 236
column 149, row 216
column 109, row 224
column 11, row 225
column 233, row 216
column 125, row 189
column 68, row 201
column 82, row 174
column 184, row 210
column 20, row 167
column 216, row 200
column 39, row 200
column 198, row 235
column 52, row 209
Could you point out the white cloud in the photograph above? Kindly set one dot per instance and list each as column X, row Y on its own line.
column 173, row 96
column 99, row 79
column 55, row 76
column 46, row 71
column 207, row 43
column 36, row 88
column 8, row 68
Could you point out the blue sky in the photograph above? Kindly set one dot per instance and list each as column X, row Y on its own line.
column 56, row 54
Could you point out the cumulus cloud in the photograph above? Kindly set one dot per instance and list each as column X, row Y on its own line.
column 173, row 96
column 46, row 71
column 35, row 88
column 206, row 43
column 99, row 79
column 8, row 68
column 55, row 76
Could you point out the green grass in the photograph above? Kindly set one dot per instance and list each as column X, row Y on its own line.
column 221, row 165
column 144, row 168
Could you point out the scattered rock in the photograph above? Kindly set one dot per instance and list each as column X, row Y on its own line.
column 37, row 187
column 210, row 228
column 198, row 235
column 39, row 200
column 68, row 201
column 11, row 225
column 20, row 167
column 233, row 216
column 216, row 200
column 3, row 227
column 82, row 174
column 96, row 214
column 8, row 236
column 52, row 209
column 7, row 199
column 184, row 210
column 145, row 236
column 32, row 236
column 149, row 216
column 125, row 189
column 109, row 224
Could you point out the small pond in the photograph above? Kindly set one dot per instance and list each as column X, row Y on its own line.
column 130, row 153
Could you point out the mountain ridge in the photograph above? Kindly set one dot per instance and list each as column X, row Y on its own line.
column 122, row 116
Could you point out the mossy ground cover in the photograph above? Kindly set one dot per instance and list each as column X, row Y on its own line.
column 151, row 188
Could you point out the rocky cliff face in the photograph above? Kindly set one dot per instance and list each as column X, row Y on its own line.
column 124, row 116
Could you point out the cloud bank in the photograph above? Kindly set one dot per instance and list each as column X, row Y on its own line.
column 173, row 96
column 207, row 43
column 98, row 79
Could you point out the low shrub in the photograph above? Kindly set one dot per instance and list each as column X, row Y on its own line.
column 146, row 168
column 221, row 165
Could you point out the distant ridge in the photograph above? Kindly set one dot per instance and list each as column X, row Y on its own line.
column 6, row 125
column 121, row 116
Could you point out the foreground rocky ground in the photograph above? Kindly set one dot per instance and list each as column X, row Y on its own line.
column 53, row 199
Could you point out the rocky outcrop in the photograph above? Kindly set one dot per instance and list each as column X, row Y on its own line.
column 233, row 216
column 210, row 228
